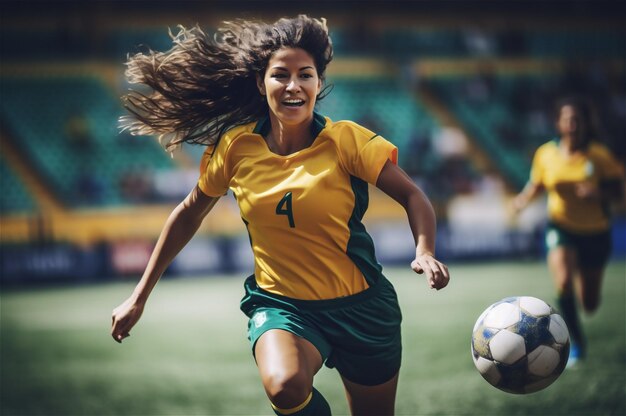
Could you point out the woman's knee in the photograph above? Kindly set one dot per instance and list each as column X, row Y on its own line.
column 287, row 364
column 286, row 389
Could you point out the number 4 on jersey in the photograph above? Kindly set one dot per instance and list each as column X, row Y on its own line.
column 284, row 208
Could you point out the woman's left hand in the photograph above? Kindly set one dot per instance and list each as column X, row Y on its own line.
column 587, row 190
column 436, row 272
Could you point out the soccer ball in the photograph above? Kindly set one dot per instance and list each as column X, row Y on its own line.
column 520, row 344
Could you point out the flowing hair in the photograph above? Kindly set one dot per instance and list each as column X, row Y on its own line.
column 205, row 85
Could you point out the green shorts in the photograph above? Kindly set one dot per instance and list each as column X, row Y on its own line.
column 359, row 334
column 593, row 250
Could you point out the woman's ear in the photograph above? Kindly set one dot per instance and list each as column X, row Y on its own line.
column 260, row 84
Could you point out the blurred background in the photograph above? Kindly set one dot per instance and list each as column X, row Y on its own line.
column 465, row 89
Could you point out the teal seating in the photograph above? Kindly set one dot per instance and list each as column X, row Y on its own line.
column 67, row 127
column 598, row 43
column 53, row 43
column 129, row 41
column 15, row 197
column 383, row 106
column 423, row 42
column 500, row 129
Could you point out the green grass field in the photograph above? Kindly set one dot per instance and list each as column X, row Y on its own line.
column 189, row 354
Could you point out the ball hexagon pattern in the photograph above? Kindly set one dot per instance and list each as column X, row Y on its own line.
column 507, row 347
column 520, row 344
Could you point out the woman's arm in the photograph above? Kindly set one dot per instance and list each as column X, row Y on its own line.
column 608, row 190
column 179, row 228
column 398, row 185
column 530, row 192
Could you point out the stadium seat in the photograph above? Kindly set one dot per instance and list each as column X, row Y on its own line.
column 67, row 127
column 15, row 196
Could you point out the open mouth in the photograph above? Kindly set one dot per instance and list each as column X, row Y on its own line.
column 294, row 102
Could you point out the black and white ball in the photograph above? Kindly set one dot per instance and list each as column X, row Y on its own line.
column 520, row 344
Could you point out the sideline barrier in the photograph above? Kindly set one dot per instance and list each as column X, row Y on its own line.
column 205, row 256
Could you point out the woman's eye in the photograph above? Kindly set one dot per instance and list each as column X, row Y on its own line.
column 278, row 75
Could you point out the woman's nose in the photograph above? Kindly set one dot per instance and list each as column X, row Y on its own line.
column 293, row 85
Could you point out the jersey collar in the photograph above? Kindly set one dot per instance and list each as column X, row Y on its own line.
column 264, row 125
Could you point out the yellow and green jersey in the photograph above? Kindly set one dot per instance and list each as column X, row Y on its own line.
column 560, row 175
column 303, row 211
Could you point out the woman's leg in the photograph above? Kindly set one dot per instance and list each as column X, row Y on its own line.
column 562, row 265
column 287, row 364
column 590, row 287
column 376, row 400
column 562, row 261
column 595, row 252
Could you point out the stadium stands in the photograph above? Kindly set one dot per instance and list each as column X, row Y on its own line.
column 15, row 196
column 577, row 43
column 65, row 126
column 511, row 114
column 498, row 80
column 385, row 106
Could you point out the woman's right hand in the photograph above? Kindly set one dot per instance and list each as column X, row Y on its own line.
column 179, row 228
column 125, row 316
column 521, row 200
column 517, row 205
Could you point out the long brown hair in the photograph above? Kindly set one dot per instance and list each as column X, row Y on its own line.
column 205, row 85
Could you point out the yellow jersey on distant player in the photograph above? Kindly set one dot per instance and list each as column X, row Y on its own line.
column 303, row 211
column 559, row 175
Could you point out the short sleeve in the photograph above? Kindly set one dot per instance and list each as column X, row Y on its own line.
column 213, row 180
column 364, row 153
column 610, row 168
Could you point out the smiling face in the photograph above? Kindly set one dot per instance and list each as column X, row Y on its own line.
column 291, row 84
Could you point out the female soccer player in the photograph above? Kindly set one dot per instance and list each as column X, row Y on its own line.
column 317, row 294
column 581, row 178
